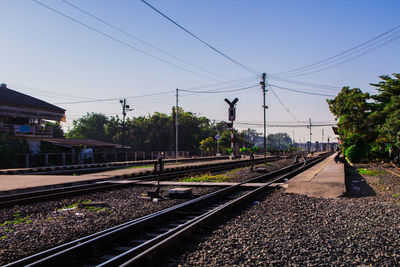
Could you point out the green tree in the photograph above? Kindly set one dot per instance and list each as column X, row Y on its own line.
column 279, row 142
column 57, row 131
column 386, row 114
column 369, row 121
column 208, row 146
column 90, row 126
column 351, row 108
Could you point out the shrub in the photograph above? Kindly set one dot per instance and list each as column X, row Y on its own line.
column 244, row 150
column 8, row 157
column 355, row 153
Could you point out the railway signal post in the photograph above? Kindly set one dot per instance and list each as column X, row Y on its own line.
column 231, row 118
column 158, row 168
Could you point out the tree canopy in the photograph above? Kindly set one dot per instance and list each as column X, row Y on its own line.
column 370, row 122
column 150, row 133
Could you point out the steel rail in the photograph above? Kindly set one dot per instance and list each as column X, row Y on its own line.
column 53, row 193
column 95, row 166
column 182, row 216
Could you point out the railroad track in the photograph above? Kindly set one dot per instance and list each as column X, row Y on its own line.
column 136, row 242
column 70, row 190
column 95, row 167
column 393, row 170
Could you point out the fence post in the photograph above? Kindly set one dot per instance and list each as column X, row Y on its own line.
column 144, row 155
column 27, row 160
column 115, row 156
column 126, row 156
column 151, row 154
column 46, row 159
column 63, row 159
column 135, row 156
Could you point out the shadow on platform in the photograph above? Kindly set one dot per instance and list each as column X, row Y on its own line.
column 356, row 186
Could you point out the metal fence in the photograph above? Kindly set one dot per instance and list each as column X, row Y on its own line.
column 28, row 160
column 26, row 130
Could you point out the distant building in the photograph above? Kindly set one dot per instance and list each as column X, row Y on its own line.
column 22, row 117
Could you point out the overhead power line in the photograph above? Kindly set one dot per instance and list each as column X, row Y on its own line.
column 47, row 93
column 346, row 53
column 155, row 94
column 120, row 41
column 112, row 99
column 286, row 125
column 140, row 40
column 219, row 91
column 235, row 82
column 299, row 91
column 197, row 38
column 283, row 105
column 308, row 84
column 365, row 52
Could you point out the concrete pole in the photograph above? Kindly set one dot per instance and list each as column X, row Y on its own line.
column 176, row 126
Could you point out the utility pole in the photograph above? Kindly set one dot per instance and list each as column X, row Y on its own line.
column 322, row 140
column 294, row 142
column 310, row 136
column 125, row 108
column 262, row 83
column 329, row 149
column 176, row 126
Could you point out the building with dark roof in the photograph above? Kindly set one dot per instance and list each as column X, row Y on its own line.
column 22, row 117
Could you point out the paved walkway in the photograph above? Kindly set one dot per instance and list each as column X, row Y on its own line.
column 326, row 180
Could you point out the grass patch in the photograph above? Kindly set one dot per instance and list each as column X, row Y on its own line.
column 396, row 195
column 172, row 163
column 3, row 237
column 96, row 209
column 17, row 220
column 83, row 204
column 208, row 177
column 75, row 205
column 363, row 171
column 142, row 166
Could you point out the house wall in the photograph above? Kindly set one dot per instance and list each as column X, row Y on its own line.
column 34, row 145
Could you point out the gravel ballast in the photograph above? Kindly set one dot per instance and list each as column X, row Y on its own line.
column 29, row 229
column 362, row 228
column 291, row 229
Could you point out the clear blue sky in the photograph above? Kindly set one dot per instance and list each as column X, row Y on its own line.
column 53, row 58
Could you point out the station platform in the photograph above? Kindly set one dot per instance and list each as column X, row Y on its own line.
column 17, row 183
column 325, row 180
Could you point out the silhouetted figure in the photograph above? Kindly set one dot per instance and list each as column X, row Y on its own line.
column 337, row 157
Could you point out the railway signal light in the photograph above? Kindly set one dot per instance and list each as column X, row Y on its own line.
column 232, row 109
column 232, row 113
column 233, row 103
